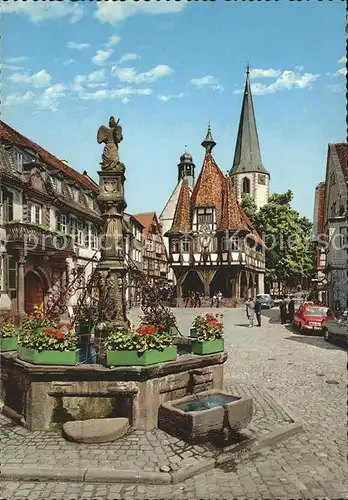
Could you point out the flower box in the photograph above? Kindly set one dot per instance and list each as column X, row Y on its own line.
column 193, row 333
column 202, row 347
column 46, row 357
column 8, row 344
column 135, row 358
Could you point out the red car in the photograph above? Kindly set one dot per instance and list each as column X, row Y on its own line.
column 311, row 317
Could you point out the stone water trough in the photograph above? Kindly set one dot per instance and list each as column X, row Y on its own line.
column 203, row 414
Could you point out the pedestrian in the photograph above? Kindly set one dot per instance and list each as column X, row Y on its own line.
column 213, row 300
column 198, row 299
column 291, row 309
column 187, row 300
column 282, row 309
column 219, row 298
column 258, row 311
column 250, row 311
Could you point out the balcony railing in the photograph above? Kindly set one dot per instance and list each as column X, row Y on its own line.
column 37, row 238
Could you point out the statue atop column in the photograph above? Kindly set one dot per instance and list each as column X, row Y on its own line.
column 111, row 136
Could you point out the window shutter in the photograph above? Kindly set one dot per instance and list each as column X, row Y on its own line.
column 58, row 225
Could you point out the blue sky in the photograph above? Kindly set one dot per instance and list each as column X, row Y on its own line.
column 166, row 68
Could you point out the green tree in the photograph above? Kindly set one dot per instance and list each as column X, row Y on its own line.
column 249, row 206
column 287, row 235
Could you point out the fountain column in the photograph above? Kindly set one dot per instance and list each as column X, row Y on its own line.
column 111, row 201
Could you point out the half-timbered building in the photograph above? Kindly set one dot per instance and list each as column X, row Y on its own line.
column 212, row 244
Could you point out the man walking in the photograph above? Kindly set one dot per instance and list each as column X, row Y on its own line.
column 250, row 311
column 291, row 309
column 258, row 311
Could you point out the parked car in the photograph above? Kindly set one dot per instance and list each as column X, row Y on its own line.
column 337, row 330
column 311, row 317
column 266, row 301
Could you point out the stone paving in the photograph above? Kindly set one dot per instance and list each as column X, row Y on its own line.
column 304, row 373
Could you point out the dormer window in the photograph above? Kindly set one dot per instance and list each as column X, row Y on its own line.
column 205, row 220
column 18, row 161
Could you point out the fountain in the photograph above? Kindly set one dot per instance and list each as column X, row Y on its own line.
column 43, row 397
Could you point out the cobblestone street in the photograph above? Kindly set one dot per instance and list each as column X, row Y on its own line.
column 306, row 375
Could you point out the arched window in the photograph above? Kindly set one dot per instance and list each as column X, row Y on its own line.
column 246, row 185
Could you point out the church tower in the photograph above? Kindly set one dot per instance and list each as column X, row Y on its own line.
column 186, row 169
column 248, row 174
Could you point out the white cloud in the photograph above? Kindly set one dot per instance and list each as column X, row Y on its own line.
column 264, row 73
column 117, row 11
column 16, row 99
column 40, row 11
column 130, row 56
column 67, row 62
column 341, row 71
column 113, row 40
column 50, row 98
column 40, row 79
column 111, row 94
column 94, row 79
column 17, row 59
column 10, row 67
column 130, row 75
column 166, row 98
column 125, row 100
column 286, row 81
column 342, row 60
column 101, row 56
column 78, row 46
column 207, row 81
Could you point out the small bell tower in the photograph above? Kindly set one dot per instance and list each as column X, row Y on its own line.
column 186, row 169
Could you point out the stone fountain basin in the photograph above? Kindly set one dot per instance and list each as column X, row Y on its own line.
column 202, row 414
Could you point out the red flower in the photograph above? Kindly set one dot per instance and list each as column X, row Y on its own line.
column 5, row 316
column 60, row 335
column 161, row 327
column 50, row 332
column 147, row 330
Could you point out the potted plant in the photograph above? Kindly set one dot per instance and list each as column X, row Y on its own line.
column 148, row 345
column 207, row 331
column 161, row 316
column 8, row 333
column 46, row 342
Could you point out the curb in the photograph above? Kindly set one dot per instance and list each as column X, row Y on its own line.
column 98, row 475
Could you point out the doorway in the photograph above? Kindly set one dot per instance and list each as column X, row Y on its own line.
column 34, row 292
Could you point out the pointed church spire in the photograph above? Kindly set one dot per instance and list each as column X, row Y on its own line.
column 208, row 142
column 247, row 156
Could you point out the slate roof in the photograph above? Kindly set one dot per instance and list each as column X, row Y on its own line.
column 247, row 156
column 10, row 135
column 182, row 216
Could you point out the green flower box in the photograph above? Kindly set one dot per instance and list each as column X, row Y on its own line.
column 48, row 357
column 202, row 347
column 9, row 344
column 193, row 333
column 135, row 358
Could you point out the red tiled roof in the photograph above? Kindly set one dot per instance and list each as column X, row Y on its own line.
column 320, row 207
column 10, row 135
column 250, row 226
column 208, row 189
column 182, row 216
column 231, row 212
column 145, row 219
column 342, row 153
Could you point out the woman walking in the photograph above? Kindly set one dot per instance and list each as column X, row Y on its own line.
column 250, row 311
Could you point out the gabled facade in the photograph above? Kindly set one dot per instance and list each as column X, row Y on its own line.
column 335, row 224
column 49, row 224
column 248, row 173
column 154, row 253
column 134, row 257
column 212, row 245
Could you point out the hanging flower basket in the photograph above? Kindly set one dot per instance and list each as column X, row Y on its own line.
column 8, row 333
column 44, row 341
column 148, row 345
column 207, row 330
